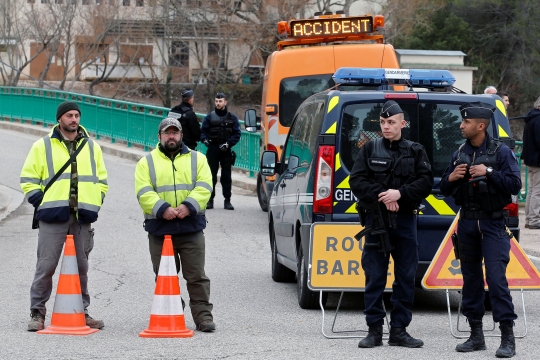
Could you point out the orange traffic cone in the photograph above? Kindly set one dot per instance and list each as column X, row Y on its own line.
column 68, row 313
column 167, row 317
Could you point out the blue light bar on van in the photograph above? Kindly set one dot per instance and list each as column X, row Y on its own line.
column 409, row 77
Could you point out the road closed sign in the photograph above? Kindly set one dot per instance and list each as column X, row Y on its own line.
column 335, row 258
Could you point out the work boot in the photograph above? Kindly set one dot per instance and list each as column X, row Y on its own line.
column 206, row 326
column 210, row 204
column 400, row 337
column 93, row 323
column 373, row 338
column 476, row 340
column 508, row 341
column 228, row 205
column 37, row 321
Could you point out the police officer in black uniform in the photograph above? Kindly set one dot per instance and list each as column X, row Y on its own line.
column 191, row 129
column 220, row 132
column 482, row 176
column 394, row 173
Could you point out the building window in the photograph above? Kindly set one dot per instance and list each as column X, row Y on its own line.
column 31, row 1
column 125, row 2
column 139, row 2
column 179, row 55
column 44, row 1
column 237, row 5
column 86, row 2
column 216, row 56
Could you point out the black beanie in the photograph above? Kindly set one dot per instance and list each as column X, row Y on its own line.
column 65, row 107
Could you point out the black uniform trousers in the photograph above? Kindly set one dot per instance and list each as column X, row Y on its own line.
column 215, row 158
column 375, row 265
column 487, row 239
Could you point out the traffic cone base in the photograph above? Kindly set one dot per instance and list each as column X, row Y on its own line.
column 68, row 316
column 167, row 316
column 165, row 326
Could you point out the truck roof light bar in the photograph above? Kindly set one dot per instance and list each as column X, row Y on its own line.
column 407, row 77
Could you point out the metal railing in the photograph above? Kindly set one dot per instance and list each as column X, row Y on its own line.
column 117, row 120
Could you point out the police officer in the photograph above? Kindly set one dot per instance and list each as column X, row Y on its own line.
column 220, row 132
column 482, row 176
column 396, row 173
column 191, row 129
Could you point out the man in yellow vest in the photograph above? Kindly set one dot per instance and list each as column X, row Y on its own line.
column 68, row 206
column 173, row 184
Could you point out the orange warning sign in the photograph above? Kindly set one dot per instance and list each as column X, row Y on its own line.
column 444, row 272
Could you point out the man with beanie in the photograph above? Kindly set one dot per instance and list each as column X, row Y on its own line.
column 531, row 158
column 173, row 185
column 67, row 206
column 191, row 129
column 482, row 177
column 220, row 131
column 390, row 178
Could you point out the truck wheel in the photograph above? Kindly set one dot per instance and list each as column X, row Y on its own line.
column 307, row 299
column 280, row 273
column 261, row 195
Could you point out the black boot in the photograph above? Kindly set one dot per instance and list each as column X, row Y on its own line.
column 373, row 338
column 476, row 340
column 210, row 204
column 400, row 337
column 508, row 341
column 227, row 205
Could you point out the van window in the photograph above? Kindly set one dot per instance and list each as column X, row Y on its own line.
column 296, row 135
column 434, row 125
column 293, row 92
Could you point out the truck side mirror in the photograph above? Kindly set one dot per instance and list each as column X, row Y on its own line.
column 250, row 120
column 268, row 163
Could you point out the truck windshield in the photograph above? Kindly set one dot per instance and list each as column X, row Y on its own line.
column 293, row 92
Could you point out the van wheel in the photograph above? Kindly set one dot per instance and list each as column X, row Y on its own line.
column 261, row 195
column 280, row 273
column 307, row 299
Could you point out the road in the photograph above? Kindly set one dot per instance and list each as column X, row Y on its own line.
column 255, row 317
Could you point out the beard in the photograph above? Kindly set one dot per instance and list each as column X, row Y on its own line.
column 67, row 128
column 171, row 146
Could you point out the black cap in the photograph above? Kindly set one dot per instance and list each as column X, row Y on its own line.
column 167, row 123
column 390, row 108
column 476, row 110
column 187, row 93
column 220, row 95
column 65, row 107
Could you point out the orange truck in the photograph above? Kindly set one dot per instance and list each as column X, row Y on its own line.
column 310, row 52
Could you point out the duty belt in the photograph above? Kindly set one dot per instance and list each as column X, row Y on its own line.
column 480, row 215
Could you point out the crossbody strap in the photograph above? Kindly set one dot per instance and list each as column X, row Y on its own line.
column 64, row 167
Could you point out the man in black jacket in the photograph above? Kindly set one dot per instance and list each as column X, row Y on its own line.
column 191, row 129
column 531, row 158
column 393, row 173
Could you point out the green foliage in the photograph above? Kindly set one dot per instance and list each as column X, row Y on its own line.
column 500, row 37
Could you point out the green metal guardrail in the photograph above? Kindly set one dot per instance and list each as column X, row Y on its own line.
column 118, row 120
column 131, row 122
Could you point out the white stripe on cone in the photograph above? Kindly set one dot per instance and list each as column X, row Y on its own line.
column 167, row 266
column 167, row 305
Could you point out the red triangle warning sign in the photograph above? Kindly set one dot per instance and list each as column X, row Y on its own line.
column 444, row 272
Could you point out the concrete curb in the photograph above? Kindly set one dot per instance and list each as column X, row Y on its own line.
column 10, row 200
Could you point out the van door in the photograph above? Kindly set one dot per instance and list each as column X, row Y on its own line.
column 286, row 186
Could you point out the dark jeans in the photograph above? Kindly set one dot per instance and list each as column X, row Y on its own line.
column 189, row 255
column 216, row 157
column 375, row 265
column 51, row 240
column 485, row 239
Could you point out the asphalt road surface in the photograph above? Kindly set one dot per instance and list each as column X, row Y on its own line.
column 256, row 318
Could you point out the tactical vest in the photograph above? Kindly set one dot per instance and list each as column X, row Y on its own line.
column 181, row 116
column 480, row 195
column 221, row 128
column 389, row 171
